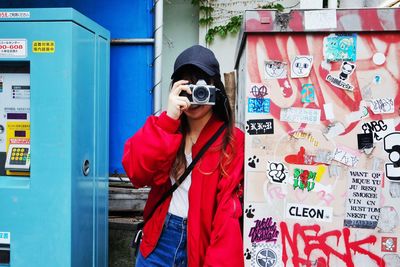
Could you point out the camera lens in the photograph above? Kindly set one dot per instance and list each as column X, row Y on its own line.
column 201, row 94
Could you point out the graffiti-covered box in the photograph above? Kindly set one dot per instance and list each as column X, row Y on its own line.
column 319, row 101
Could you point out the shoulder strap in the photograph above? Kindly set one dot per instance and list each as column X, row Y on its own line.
column 186, row 172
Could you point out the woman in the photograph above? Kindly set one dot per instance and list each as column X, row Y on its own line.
column 199, row 224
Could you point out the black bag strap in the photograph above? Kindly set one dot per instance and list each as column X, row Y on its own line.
column 185, row 173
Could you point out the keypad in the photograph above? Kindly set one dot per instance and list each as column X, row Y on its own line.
column 19, row 156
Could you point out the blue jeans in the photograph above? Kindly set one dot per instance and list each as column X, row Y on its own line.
column 171, row 247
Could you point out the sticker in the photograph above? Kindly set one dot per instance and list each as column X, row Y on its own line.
column 328, row 109
column 307, row 93
column 304, row 135
column 357, row 115
column 301, row 158
column 304, row 179
column 333, row 130
column 394, row 189
column 266, row 255
column 379, row 59
column 301, row 115
column 12, row 48
column 301, row 66
column 250, row 212
column 320, row 19
column 256, row 127
column 389, row 244
column 334, row 170
column 252, row 162
column 43, row 46
column 377, row 79
column 275, row 69
column 277, row 172
column 323, row 156
column 365, row 140
column 388, row 219
column 382, row 105
column 305, row 212
column 363, row 201
column 379, row 128
column 265, row 230
column 346, row 156
column 5, row 238
column 391, row 146
column 258, row 105
column 345, row 71
column 15, row 15
column 320, row 172
column 340, row 48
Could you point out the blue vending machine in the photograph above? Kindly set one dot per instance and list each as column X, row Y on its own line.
column 54, row 106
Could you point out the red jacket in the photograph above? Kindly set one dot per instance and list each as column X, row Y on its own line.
column 214, row 237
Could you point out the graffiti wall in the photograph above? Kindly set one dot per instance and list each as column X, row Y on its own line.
column 321, row 115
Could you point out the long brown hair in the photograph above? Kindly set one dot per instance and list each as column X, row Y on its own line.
column 222, row 109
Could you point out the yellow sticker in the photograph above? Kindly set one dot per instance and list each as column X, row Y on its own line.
column 43, row 46
column 320, row 171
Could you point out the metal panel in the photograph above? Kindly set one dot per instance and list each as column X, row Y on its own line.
column 313, row 195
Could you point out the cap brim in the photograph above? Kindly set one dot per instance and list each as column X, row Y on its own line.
column 196, row 64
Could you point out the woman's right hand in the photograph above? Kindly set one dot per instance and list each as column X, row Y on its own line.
column 176, row 103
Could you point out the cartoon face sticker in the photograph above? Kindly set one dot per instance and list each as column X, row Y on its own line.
column 275, row 69
column 346, row 70
column 301, row 66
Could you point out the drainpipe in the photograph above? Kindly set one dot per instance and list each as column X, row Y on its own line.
column 158, row 40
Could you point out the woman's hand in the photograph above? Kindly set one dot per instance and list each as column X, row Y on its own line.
column 176, row 103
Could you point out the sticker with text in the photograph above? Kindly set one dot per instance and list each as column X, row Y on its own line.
column 258, row 90
column 305, row 212
column 304, row 179
column 256, row 127
column 301, row 115
column 346, row 156
column 345, row 71
column 381, row 105
column 363, row 199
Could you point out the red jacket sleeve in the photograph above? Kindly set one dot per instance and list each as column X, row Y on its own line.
column 150, row 152
column 226, row 242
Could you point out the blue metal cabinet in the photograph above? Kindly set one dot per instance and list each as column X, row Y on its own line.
column 57, row 216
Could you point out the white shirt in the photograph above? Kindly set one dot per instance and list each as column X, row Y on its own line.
column 179, row 205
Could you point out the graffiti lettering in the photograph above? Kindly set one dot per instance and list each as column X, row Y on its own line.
column 264, row 231
column 314, row 240
column 304, row 179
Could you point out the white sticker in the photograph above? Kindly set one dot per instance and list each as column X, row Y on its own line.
column 301, row 115
column 328, row 108
column 382, row 105
column 305, row 212
column 379, row 59
column 379, row 128
column 5, row 238
column 275, row 69
column 346, row 155
column 15, row 15
column 334, row 129
column 363, row 199
column 301, row 66
column 320, row 19
column 12, row 48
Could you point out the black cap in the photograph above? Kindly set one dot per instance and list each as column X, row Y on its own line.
column 199, row 56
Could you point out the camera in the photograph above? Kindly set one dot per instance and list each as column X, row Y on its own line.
column 202, row 94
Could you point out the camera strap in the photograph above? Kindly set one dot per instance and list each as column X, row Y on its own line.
column 185, row 173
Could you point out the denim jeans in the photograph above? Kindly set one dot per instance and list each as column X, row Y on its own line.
column 171, row 247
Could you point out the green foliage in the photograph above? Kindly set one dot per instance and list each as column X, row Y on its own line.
column 278, row 7
column 232, row 26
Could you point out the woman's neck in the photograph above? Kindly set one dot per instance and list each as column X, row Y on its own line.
column 196, row 125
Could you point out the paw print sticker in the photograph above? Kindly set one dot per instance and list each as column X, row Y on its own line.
column 252, row 161
column 247, row 254
column 249, row 212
